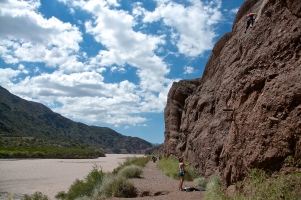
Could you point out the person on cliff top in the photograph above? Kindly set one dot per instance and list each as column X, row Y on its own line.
column 250, row 20
column 182, row 172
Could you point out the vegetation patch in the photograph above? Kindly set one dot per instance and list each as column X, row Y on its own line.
column 170, row 167
column 259, row 185
column 36, row 196
column 102, row 185
column 131, row 171
column 201, row 181
column 29, row 147
column 141, row 162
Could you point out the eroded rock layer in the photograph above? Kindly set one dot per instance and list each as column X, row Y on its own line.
column 245, row 112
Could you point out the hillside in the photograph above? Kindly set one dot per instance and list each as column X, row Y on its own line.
column 244, row 112
column 19, row 117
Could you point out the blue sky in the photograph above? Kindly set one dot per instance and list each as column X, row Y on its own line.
column 108, row 63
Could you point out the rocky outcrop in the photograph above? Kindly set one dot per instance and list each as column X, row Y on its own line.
column 245, row 112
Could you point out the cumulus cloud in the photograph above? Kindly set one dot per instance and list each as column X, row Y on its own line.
column 8, row 75
column 25, row 35
column 192, row 26
column 234, row 10
column 188, row 70
column 58, row 71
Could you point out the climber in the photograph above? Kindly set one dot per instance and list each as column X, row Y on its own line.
column 250, row 20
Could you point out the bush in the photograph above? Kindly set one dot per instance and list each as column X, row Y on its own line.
column 115, row 186
column 262, row 185
column 36, row 196
column 84, row 187
column 99, row 185
column 214, row 189
column 200, row 182
column 259, row 185
column 139, row 161
column 170, row 167
column 132, row 171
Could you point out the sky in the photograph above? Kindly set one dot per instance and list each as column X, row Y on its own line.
column 108, row 63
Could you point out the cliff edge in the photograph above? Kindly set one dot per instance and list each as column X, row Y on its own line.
column 245, row 111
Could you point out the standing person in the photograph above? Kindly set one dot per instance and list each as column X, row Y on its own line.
column 250, row 20
column 182, row 172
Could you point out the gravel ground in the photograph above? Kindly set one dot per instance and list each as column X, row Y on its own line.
column 155, row 185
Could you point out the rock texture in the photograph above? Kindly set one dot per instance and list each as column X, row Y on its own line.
column 245, row 112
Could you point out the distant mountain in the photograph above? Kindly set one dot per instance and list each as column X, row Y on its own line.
column 19, row 117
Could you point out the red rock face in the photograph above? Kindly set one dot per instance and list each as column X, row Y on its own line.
column 245, row 112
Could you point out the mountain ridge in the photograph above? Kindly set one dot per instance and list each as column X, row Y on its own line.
column 19, row 117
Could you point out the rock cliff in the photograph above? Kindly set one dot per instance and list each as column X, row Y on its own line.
column 245, row 111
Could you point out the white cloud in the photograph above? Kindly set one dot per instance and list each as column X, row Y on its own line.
column 25, row 35
column 188, row 70
column 83, row 94
column 234, row 10
column 77, row 81
column 192, row 26
column 118, row 69
column 114, row 29
column 7, row 75
column 22, row 68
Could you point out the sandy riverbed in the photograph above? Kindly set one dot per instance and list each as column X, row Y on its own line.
column 49, row 176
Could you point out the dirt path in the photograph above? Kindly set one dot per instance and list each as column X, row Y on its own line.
column 155, row 185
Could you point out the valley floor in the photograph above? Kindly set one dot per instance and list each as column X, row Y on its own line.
column 153, row 181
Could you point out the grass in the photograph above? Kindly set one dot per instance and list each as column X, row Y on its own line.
column 214, row 189
column 170, row 167
column 36, row 196
column 201, row 181
column 131, row 171
column 85, row 187
column 114, row 186
column 259, row 185
column 101, row 185
column 141, row 162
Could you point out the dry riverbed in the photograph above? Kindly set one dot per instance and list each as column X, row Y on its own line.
column 49, row 176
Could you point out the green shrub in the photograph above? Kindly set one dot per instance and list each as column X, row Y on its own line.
column 23, row 148
column 61, row 195
column 191, row 173
column 200, row 182
column 36, row 196
column 139, row 161
column 115, row 186
column 3, row 154
column 170, row 167
column 264, row 186
column 99, row 185
column 259, row 185
column 132, row 171
column 214, row 189
column 85, row 187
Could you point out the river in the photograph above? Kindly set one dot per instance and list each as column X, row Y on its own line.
column 49, row 176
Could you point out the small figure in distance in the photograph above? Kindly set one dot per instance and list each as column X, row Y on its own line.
column 250, row 20
column 181, row 173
